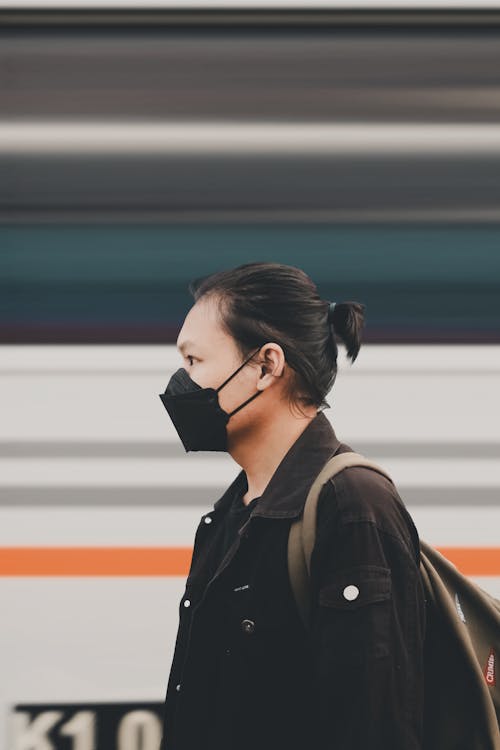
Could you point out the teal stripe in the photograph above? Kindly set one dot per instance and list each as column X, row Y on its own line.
column 333, row 254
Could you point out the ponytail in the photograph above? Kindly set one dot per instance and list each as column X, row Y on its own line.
column 346, row 322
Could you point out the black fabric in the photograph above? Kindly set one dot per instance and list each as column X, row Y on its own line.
column 196, row 413
column 236, row 516
column 244, row 672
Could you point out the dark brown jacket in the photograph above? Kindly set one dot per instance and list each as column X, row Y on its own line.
column 245, row 674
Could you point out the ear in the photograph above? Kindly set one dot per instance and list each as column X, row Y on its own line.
column 272, row 365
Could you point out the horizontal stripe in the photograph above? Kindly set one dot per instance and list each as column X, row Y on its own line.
column 474, row 561
column 173, row 561
column 118, row 526
column 139, row 359
column 166, row 450
column 209, row 472
column 372, row 5
column 454, row 526
column 70, row 496
column 95, row 561
column 220, row 138
column 108, row 527
column 267, row 215
column 113, row 372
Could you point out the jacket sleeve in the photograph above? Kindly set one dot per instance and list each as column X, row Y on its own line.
column 368, row 622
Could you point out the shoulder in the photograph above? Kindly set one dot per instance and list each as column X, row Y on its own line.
column 359, row 494
column 361, row 491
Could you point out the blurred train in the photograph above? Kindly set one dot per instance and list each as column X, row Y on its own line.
column 144, row 146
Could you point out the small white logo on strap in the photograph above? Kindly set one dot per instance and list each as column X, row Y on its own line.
column 459, row 608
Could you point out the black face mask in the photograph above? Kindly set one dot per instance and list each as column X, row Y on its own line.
column 196, row 413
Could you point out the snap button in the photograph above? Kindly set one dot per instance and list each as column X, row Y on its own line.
column 187, row 602
column 208, row 519
column 248, row 626
column 178, row 687
column 351, row 592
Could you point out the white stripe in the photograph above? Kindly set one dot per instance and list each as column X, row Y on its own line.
column 100, row 526
column 457, row 526
column 218, row 471
column 403, row 358
column 412, row 394
column 452, row 526
column 100, row 473
column 262, row 138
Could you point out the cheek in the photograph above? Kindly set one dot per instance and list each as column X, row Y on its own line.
column 229, row 400
column 249, row 415
column 202, row 374
column 210, row 374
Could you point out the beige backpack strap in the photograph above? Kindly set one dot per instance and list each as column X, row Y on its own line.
column 303, row 530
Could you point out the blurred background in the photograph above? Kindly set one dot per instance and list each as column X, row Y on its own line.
column 146, row 144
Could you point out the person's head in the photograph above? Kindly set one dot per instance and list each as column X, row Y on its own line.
column 273, row 310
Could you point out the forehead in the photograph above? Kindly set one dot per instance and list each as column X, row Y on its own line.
column 201, row 329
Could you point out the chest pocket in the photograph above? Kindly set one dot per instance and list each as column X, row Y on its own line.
column 355, row 614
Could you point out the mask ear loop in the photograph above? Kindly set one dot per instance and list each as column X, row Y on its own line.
column 237, row 371
column 246, row 402
column 232, row 376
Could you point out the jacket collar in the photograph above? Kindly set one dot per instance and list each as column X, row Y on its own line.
column 286, row 492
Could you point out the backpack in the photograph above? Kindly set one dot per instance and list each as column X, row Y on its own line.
column 462, row 636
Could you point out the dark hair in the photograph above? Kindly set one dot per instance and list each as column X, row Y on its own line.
column 262, row 302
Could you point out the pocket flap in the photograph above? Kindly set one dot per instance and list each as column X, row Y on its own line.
column 356, row 586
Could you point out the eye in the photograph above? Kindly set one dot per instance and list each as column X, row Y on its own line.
column 189, row 356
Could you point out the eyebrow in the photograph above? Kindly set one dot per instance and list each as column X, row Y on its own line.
column 184, row 345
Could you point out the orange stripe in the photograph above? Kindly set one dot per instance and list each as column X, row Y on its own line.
column 95, row 561
column 173, row 561
column 474, row 561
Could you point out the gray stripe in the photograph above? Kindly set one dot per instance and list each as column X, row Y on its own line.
column 171, row 497
column 215, row 16
column 155, row 449
column 95, row 449
column 431, row 214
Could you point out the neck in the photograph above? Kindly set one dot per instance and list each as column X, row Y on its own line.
column 260, row 453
